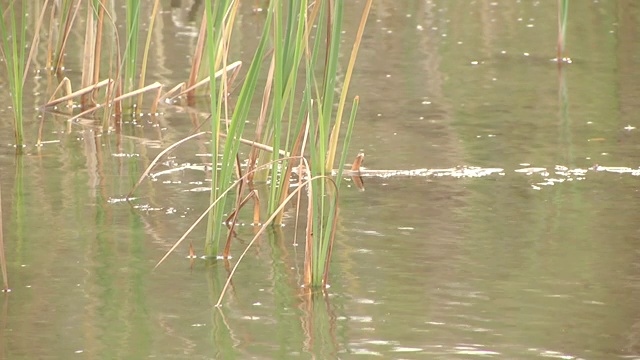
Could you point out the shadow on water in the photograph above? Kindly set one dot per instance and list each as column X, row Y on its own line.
column 304, row 320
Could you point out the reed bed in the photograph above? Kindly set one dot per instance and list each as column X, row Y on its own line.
column 295, row 38
column 297, row 132
column 300, row 35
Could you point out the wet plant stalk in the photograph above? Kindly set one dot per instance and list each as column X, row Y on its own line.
column 220, row 15
column 563, row 12
column 131, row 51
column 300, row 42
column 145, row 54
column 14, row 53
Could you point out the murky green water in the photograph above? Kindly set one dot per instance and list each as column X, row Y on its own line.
column 538, row 260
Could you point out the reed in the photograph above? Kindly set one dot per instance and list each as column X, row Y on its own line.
column 130, row 55
column 66, row 10
column 220, row 18
column 563, row 12
column 124, row 74
column 323, row 210
column 262, row 230
column 145, row 52
column 13, row 27
column 287, row 124
column 301, row 43
column 90, row 63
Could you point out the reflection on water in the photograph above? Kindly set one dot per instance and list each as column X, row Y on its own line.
column 509, row 230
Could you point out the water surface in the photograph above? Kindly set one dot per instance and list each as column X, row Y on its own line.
column 538, row 259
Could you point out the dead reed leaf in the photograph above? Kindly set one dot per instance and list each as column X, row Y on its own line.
column 355, row 167
column 206, row 211
column 235, row 67
column 357, row 162
column 64, row 37
column 88, row 57
column 197, row 55
column 160, row 156
column 72, row 95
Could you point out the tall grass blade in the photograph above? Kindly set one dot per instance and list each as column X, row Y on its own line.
column 324, row 216
column 213, row 19
column 100, row 5
column 289, row 44
column 347, row 140
column 131, row 51
column 563, row 13
column 221, row 179
column 68, row 10
column 147, row 47
column 197, row 58
column 36, row 39
column 13, row 33
column 333, row 145
column 88, row 59
column 322, row 210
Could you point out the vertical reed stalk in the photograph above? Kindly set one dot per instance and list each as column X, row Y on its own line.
column 100, row 6
column 145, row 53
column 563, row 12
column 333, row 145
column 14, row 53
column 88, row 58
column 214, row 13
column 235, row 127
column 197, row 58
column 220, row 17
column 131, row 51
column 323, row 207
column 68, row 10
column 289, row 44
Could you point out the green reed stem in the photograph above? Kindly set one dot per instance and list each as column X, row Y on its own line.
column 335, row 133
column 347, row 140
column 563, row 14
column 131, row 50
column 325, row 207
column 216, row 15
column 324, row 200
column 289, row 42
column 13, row 31
column 145, row 53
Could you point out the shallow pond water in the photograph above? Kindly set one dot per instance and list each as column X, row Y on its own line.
column 515, row 238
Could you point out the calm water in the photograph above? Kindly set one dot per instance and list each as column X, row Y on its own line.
column 539, row 259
